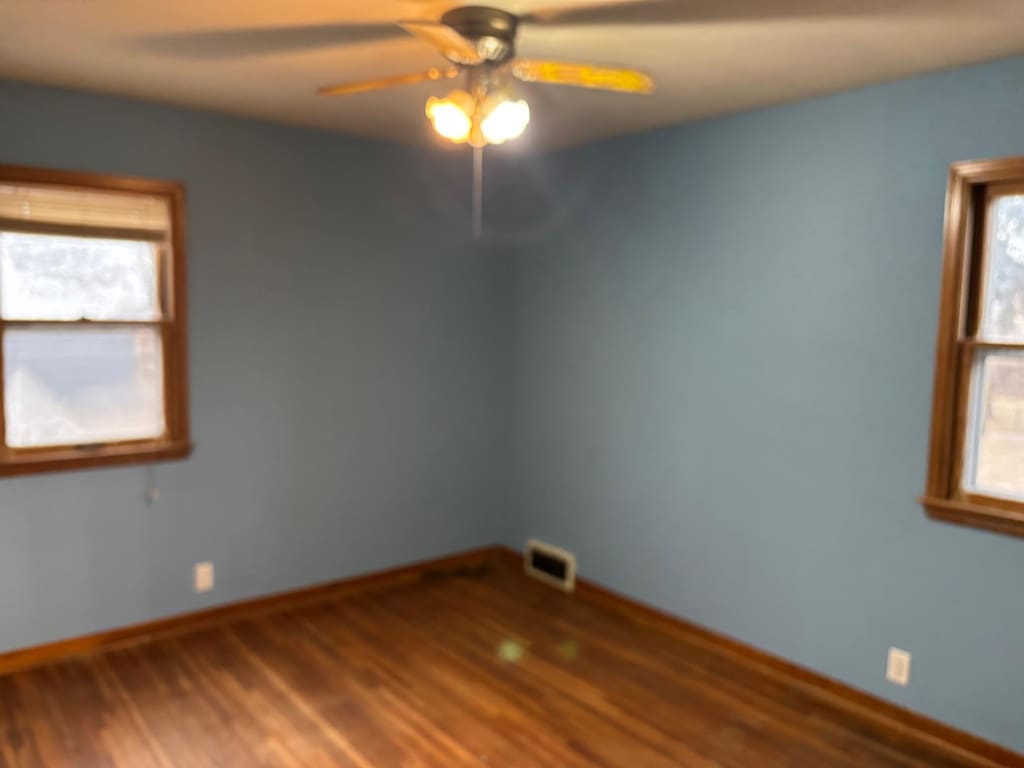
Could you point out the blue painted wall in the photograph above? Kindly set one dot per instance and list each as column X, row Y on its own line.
column 724, row 341
column 343, row 379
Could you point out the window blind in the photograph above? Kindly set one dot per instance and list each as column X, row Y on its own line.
column 45, row 204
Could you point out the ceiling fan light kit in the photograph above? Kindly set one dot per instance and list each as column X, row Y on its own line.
column 494, row 119
column 481, row 42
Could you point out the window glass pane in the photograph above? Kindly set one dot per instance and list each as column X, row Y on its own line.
column 71, row 387
column 1003, row 309
column 995, row 440
column 46, row 277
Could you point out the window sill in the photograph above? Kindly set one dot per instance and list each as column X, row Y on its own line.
column 65, row 459
column 975, row 515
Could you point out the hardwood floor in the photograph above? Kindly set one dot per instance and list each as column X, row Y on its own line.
column 477, row 668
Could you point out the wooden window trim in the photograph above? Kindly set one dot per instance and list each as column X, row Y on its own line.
column 969, row 190
column 176, row 442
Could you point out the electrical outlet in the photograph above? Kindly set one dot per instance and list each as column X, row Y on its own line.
column 897, row 671
column 202, row 577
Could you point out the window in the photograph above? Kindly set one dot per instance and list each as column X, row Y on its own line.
column 92, row 321
column 976, row 465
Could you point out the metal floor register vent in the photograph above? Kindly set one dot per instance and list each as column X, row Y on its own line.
column 552, row 565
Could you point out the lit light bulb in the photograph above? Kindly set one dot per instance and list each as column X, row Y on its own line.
column 507, row 120
column 450, row 119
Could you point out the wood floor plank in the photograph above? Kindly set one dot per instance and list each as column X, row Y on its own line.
column 479, row 668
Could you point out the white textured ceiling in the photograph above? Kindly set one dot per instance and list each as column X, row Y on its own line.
column 708, row 57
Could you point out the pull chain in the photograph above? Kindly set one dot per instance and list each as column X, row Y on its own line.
column 478, row 192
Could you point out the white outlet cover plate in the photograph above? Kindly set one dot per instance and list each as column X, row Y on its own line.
column 203, row 577
column 897, row 670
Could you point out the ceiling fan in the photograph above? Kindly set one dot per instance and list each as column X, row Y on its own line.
column 480, row 42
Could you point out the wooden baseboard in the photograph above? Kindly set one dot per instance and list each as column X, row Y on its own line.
column 890, row 716
column 25, row 658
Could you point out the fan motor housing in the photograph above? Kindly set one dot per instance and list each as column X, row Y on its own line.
column 493, row 30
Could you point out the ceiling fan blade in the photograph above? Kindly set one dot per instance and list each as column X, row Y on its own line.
column 648, row 12
column 261, row 41
column 583, row 76
column 347, row 89
column 450, row 43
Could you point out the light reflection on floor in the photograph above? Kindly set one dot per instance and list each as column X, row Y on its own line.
column 512, row 651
